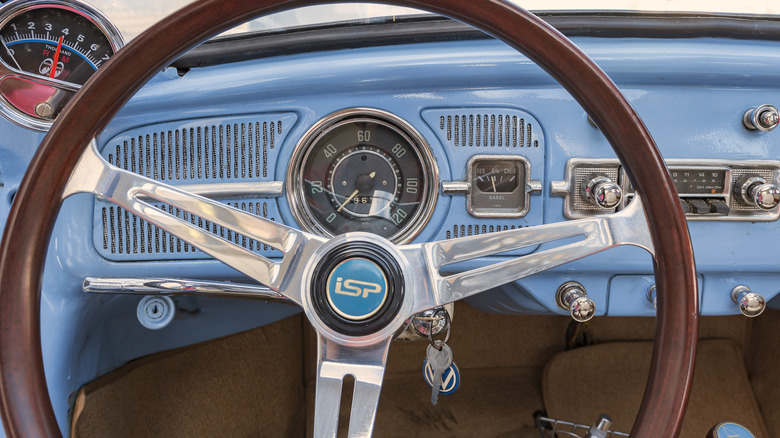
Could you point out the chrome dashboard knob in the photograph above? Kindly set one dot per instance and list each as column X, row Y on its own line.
column 751, row 304
column 571, row 296
column 762, row 118
column 756, row 192
column 602, row 192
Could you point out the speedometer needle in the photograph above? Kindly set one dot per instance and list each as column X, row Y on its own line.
column 56, row 58
column 372, row 174
column 348, row 199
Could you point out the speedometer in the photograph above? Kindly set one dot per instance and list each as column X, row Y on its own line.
column 363, row 170
column 48, row 51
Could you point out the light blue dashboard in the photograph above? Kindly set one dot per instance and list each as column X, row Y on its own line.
column 691, row 93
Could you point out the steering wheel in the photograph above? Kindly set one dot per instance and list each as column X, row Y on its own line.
column 68, row 162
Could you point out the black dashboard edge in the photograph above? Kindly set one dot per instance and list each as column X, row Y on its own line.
column 430, row 28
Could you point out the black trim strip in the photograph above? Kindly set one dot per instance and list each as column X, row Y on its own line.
column 427, row 28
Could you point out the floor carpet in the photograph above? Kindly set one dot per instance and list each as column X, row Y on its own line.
column 260, row 383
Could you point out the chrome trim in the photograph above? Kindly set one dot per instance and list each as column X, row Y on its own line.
column 565, row 189
column 95, row 175
column 751, row 304
column 179, row 286
column 627, row 227
column 573, row 297
column 367, row 366
column 652, row 297
column 763, row 118
column 11, row 10
column 455, row 188
column 294, row 186
column 258, row 189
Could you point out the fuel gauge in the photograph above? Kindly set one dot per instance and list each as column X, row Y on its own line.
column 496, row 176
column 499, row 185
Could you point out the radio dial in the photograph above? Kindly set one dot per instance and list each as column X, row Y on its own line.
column 602, row 192
column 757, row 192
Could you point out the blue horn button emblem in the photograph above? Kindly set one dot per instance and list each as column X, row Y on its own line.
column 357, row 289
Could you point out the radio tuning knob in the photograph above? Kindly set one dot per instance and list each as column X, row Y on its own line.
column 762, row 118
column 756, row 192
column 751, row 304
column 602, row 192
column 571, row 296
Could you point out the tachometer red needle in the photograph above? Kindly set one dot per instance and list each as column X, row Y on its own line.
column 56, row 58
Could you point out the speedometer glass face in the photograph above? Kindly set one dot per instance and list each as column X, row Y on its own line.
column 365, row 171
column 48, row 51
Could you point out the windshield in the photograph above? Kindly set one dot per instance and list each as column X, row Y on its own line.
column 134, row 16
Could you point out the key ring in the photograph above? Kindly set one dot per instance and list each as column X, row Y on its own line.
column 435, row 344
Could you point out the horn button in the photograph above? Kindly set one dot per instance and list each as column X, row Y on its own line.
column 357, row 289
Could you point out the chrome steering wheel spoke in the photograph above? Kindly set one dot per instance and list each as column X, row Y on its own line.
column 95, row 175
column 335, row 362
column 628, row 227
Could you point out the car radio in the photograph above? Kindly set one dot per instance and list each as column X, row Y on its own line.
column 708, row 189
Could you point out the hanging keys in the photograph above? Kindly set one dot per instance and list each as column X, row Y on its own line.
column 439, row 360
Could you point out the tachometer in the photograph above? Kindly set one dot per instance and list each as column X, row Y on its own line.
column 48, row 50
column 363, row 170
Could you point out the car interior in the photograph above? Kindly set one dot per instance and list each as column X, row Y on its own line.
column 464, row 220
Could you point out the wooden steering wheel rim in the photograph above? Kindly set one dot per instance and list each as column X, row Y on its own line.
column 24, row 398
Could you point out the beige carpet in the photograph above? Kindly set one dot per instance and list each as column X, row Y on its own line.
column 580, row 384
column 261, row 383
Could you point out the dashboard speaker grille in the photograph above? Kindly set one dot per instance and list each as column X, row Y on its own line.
column 192, row 152
column 125, row 233
column 486, row 127
column 463, row 230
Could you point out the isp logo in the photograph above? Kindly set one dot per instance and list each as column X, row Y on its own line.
column 357, row 289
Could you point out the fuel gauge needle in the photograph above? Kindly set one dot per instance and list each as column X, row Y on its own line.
column 2, row 40
column 56, row 58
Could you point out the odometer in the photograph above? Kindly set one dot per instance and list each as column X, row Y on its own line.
column 362, row 170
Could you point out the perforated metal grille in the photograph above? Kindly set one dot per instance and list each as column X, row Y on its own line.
column 125, row 233
column 241, row 149
column 488, row 129
column 212, row 152
column 582, row 175
column 463, row 230
column 736, row 173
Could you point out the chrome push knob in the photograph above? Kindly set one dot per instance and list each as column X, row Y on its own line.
column 602, row 192
column 751, row 304
column 756, row 192
column 571, row 296
column 762, row 118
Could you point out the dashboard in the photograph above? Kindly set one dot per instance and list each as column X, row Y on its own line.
column 437, row 133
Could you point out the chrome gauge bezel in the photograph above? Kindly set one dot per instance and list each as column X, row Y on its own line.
column 11, row 10
column 295, row 184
